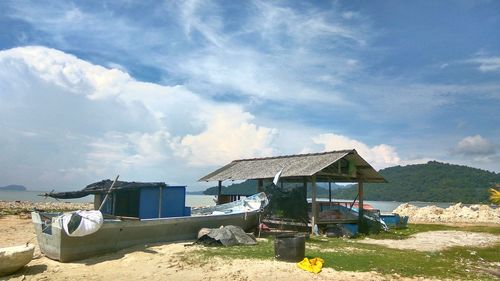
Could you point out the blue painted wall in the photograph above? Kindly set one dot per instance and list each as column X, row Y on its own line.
column 173, row 202
column 149, row 203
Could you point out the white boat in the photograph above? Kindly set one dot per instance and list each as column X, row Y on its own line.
column 14, row 258
column 122, row 231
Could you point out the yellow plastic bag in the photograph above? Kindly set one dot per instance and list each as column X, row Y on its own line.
column 312, row 265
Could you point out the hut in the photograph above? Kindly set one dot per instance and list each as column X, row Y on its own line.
column 332, row 166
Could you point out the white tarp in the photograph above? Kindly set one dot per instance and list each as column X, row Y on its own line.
column 89, row 222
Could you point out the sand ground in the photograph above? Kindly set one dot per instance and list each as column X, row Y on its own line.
column 438, row 240
column 168, row 262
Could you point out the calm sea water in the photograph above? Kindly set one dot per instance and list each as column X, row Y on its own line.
column 192, row 200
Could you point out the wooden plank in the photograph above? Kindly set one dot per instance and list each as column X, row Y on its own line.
column 330, row 191
column 260, row 185
column 313, row 201
column 360, row 200
column 219, row 193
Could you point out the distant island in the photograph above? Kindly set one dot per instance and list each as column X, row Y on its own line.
column 430, row 182
column 13, row 187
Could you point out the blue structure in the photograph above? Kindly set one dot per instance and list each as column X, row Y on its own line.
column 147, row 202
column 395, row 220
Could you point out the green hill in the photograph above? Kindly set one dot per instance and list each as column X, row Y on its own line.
column 432, row 182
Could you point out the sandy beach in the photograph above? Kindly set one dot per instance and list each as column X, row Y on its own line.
column 171, row 261
column 176, row 261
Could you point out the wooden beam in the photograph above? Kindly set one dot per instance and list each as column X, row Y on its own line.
column 304, row 181
column 260, row 185
column 360, row 207
column 314, row 203
column 219, row 192
column 330, row 191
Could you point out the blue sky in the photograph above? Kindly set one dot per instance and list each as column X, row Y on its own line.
column 170, row 90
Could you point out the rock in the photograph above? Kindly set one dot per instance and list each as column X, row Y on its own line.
column 456, row 213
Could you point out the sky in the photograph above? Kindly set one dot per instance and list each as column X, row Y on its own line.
column 172, row 90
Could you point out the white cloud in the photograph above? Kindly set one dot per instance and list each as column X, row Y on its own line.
column 274, row 20
column 69, row 72
column 350, row 15
column 114, row 123
column 379, row 156
column 475, row 146
column 282, row 64
column 486, row 64
column 229, row 135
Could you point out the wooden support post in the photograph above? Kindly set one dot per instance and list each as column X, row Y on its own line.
column 314, row 204
column 219, row 192
column 330, row 191
column 260, row 185
column 305, row 188
column 361, row 224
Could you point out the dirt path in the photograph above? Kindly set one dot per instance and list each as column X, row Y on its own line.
column 438, row 240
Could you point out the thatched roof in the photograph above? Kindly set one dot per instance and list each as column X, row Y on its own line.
column 338, row 166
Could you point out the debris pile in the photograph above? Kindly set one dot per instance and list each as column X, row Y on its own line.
column 458, row 213
column 26, row 207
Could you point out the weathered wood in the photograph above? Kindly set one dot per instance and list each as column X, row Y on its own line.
column 330, row 191
column 313, row 201
column 304, row 181
column 219, row 192
column 260, row 185
column 360, row 207
column 109, row 191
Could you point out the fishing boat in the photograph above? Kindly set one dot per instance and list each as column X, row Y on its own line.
column 136, row 213
column 14, row 258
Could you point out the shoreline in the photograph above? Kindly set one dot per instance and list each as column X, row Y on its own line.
column 26, row 207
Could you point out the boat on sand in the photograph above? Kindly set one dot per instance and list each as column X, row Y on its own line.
column 137, row 213
column 14, row 258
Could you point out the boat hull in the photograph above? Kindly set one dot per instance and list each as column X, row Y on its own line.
column 14, row 258
column 119, row 234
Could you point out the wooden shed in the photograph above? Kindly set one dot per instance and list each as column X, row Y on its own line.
column 332, row 166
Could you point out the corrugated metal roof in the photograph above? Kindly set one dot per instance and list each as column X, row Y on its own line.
column 323, row 165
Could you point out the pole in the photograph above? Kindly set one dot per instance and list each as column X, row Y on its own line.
column 314, row 203
column 330, row 191
column 219, row 192
column 109, row 191
column 360, row 207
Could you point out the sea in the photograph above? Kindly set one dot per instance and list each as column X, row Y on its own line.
column 195, row 200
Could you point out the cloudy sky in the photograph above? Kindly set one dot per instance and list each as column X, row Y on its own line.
column 171, row 90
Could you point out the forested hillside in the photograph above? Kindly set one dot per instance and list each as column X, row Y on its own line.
column 433, row 182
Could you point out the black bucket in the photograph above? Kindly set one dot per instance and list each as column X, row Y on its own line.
column 289, row 247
